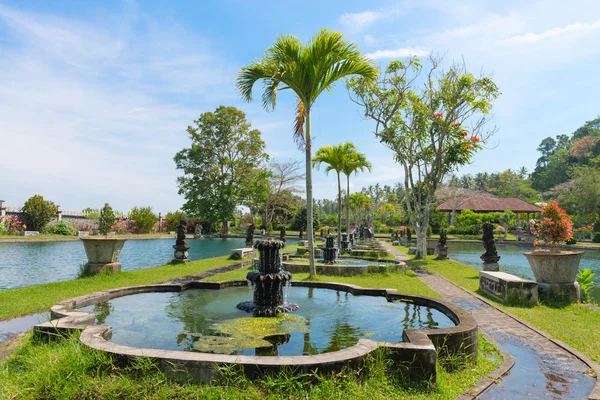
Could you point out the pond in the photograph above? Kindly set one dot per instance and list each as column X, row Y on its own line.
column 208, row 321
column 514, row 262
column 26, row 264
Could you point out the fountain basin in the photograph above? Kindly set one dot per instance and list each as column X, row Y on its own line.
column 415, row 351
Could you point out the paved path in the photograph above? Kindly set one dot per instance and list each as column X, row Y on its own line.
column 542, row 370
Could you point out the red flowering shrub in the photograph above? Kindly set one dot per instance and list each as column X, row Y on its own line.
column 555, row 226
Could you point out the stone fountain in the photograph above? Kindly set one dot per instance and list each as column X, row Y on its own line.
column 330, row 252
column 268, row 282
column 346, row 246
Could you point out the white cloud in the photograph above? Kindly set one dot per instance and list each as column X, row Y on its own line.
column 369, row 39
column 399, row 53
column 359, row 21
column 567, row 30
column 90, row 113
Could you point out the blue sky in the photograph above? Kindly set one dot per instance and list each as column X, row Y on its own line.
column 95, row 97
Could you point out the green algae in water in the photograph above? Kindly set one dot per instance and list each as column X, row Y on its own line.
column 245, row 333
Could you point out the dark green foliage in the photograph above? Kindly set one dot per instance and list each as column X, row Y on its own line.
column 222, row 167
column 300, row 221
column 586, row 282
column 173, row 218
column 107, row 219
column 572, row 240
column 596, row 238
column 39, row 212
column 143, row 218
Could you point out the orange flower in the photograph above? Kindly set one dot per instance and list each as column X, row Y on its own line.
column 475, row 139
column 464, row 133
column 469, row 147
column 457, row 124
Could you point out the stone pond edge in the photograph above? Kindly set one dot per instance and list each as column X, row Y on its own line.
column 419, row 345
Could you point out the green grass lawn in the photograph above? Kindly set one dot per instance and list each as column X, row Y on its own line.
column 66, row 369
column 573, row 324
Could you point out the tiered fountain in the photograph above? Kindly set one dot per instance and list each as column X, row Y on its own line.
column 268, row 282
column 330, row 252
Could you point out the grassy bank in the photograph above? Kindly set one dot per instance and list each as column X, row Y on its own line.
column 44, row 237
column 65, row 369
column 571, row 323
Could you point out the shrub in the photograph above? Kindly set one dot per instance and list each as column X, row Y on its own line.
column 107, row 219
column 173, row 218
column 468, row 218
column 586, row 281
column 571, row 240
column 466, row 230
column 61, row 228
column 39, row 212
column 556, row 226
column 596, row 238
column 143, row 218
column 300, row 221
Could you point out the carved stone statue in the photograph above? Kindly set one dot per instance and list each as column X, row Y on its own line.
column 490, row 257
column 441, row 249
column 181, row 231
column 198, row 232
column 282, row 233
column 250, row 235
column 301, row 235
column 181, row 247
column 409, row 235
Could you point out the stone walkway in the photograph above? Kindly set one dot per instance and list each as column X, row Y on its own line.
column 542, row 370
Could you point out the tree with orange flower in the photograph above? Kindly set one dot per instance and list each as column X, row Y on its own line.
column 556, row 226
column 433, row 120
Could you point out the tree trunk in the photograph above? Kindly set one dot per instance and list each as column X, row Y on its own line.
column 339, row 236
column 421, row 243
column 309, row 202
column 348, row 203
column 224, row 228
column 452, row 215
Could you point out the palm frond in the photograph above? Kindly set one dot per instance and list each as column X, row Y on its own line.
column 299, row 124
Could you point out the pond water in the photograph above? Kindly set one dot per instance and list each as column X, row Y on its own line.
column 513, row 261
column 208, row 321
column 26, row 264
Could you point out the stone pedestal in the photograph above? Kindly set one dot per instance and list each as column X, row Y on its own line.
column 441, row 252
column 491, row 266
column 181, row 253
column 29, row 233
column 570, row 290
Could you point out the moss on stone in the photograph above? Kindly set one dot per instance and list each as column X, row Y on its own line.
column 246, row 333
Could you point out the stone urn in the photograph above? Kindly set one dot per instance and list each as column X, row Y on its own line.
column 556, row 271
column 103, row 253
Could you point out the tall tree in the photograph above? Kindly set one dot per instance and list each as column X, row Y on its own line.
column 281, row 187
column 335, row 157
column 308, row 70
column 356, row 162
column 222, row 167
column 433, row 128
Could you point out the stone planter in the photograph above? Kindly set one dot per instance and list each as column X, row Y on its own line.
column 554, row 267
column 556, row 272
column 103, row 254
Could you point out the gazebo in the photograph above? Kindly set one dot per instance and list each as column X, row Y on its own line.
column 490, row 204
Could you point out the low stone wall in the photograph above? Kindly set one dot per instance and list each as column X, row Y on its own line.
column 416, row 355
column 345, row 270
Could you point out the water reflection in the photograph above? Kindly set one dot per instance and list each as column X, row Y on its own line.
column 327, row 321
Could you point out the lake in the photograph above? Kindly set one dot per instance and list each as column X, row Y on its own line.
column 27, row 263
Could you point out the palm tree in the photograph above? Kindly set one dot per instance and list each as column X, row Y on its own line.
column 359, row 201
column 336, row 158
column 308, row 70
column 357, row 162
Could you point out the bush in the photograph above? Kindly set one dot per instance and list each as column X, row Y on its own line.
column 143, row 218
column 61, row 228
column 466, row 230
column 572, row 240
column 173, row 218
column 468, row 218
column 596, row 238
column 556, row 226
column 300, row 221
column 39, row 212
column 107, row 219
